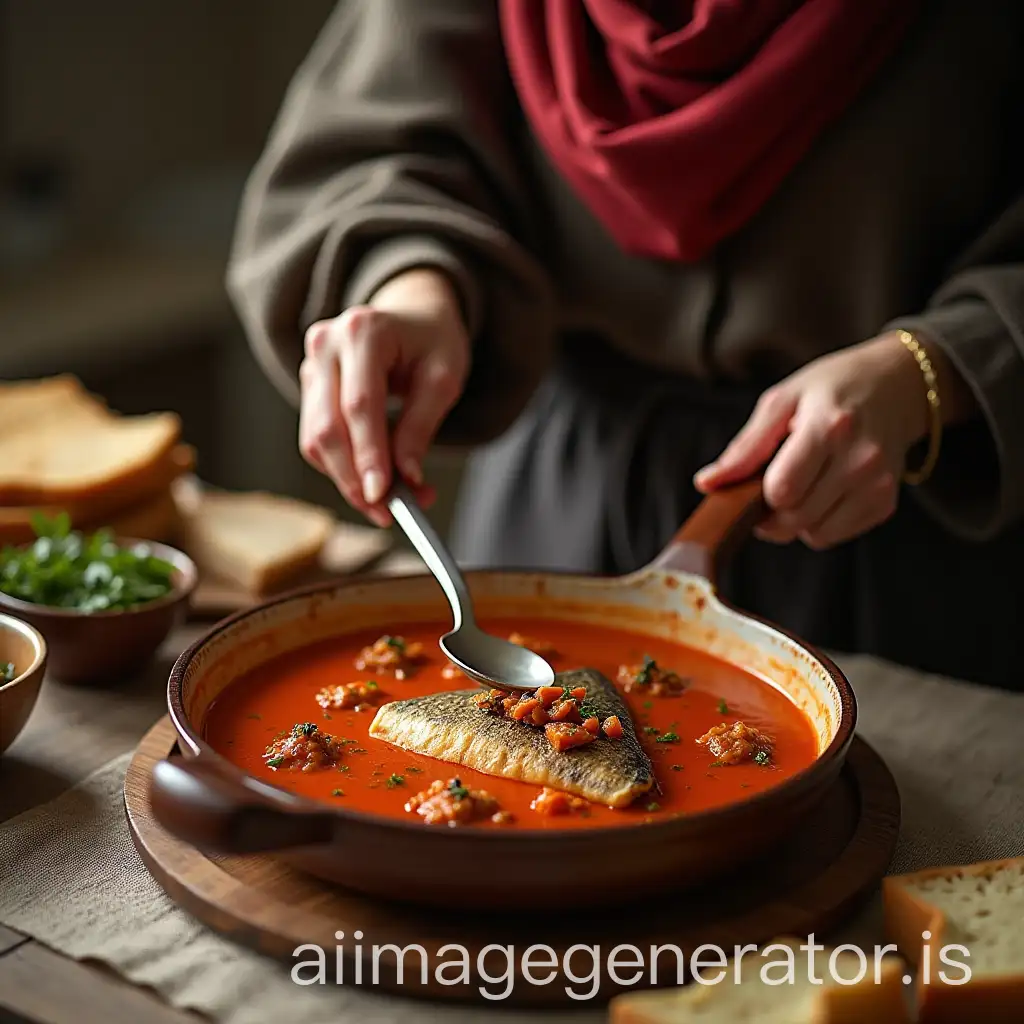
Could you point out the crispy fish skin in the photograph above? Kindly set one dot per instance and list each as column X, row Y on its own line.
column 450, row 727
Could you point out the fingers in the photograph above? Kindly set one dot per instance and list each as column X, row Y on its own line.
column 754, row 445
column 365, row 357
column 843, row 489
column 324, row 437
column 859, row 511
column 434, row 388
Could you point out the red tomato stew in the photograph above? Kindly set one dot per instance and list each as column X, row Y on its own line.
column 714, row 734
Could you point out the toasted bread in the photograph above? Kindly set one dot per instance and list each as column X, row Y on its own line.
column 799, row 1002
column 979, row 907
column 58, row 444
column 154, row 518
column 258, row 541
column 102, row 508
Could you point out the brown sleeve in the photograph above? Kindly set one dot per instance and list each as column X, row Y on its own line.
column 977, row 319
column 394, row 149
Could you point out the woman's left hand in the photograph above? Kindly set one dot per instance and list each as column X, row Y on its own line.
column 835, row 436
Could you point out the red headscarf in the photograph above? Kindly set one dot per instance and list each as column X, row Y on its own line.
column 675, row 120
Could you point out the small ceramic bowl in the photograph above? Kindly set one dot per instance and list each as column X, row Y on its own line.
column 97, row 647
column 25, row 649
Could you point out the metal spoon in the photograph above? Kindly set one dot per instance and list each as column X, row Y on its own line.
column 485, row 658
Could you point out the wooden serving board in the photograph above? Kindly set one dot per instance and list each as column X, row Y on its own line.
column 810, row 884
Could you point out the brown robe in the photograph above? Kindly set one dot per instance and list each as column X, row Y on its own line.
column 400, row 144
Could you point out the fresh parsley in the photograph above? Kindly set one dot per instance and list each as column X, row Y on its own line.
column 762, row 757
column 457, row 790
column 650, row 730
column 337, row 792
column 304, row 729
column 275, row 762
column 654, row 806
column 395, row 643
column 723, row 708
column 66, row 569
column 668, row 737
column 395, row 780
column 647, row 669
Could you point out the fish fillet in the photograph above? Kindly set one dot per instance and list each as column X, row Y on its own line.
column 450, row 727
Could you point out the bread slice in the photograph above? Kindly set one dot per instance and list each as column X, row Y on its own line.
column 977, row 906
column 258, row 541
column 59, row 444
column 753, row 1001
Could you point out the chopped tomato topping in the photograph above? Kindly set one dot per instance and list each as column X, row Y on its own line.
column 304, row 749
column 554, row 801
column 392, row 655
column 734, row 743
column 358, row 696
column 568, row 719
column 565, row 711
column 547, row 695
column 612, row 727
column 650, row 678
column 566, row 735
column 450, row 803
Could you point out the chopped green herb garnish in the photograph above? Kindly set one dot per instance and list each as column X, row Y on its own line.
column 587, row 710
column 650, row 730
column 395, row 780
column 412, row 768
column 395, row 642
column 359, row 750
column 677, row 767
column 6, row 672
column 457, row 790
column 654, row 806
column 717, row 764
column 643, row 677
column 344, row 768
column 255, row 718
column 89, row 573
column 273, row 762
column 647, row 705
column 327, row 716
column 669, row 737
column 344, row 741
column 304, row 729
column 337, row 792
column 371, row 685
column 723, row 708
column 763, row 757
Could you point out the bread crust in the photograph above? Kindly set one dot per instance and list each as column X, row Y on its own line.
column 106, row 508
column 864, row 1003
column 908, row 916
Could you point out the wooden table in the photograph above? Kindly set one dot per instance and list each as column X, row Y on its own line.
column 72, row 732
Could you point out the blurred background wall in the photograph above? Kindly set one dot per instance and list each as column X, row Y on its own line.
column 127, row 129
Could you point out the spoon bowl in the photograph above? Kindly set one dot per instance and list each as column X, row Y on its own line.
column 488, row 659
column 495, row 662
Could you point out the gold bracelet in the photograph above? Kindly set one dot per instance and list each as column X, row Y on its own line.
column 927, row 467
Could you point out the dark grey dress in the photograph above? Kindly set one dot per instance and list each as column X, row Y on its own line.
column 596, row 477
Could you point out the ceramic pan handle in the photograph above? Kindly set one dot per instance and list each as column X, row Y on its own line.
column 197, row 803
column 720, row 523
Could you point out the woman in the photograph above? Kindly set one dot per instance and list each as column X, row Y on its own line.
column 645, row 249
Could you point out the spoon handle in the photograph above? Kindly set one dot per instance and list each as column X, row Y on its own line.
column 411, row 518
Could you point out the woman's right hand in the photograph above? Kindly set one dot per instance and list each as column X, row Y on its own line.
column 409, row 341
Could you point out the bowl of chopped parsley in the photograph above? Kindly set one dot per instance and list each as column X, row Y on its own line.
column 103, row 603
column 22, row 665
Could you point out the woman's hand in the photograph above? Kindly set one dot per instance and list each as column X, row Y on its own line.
column 835, row 436
column 410, row 341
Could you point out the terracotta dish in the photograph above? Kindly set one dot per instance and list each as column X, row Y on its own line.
column 95, row 647
column 24, row 648
column 226, row 795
